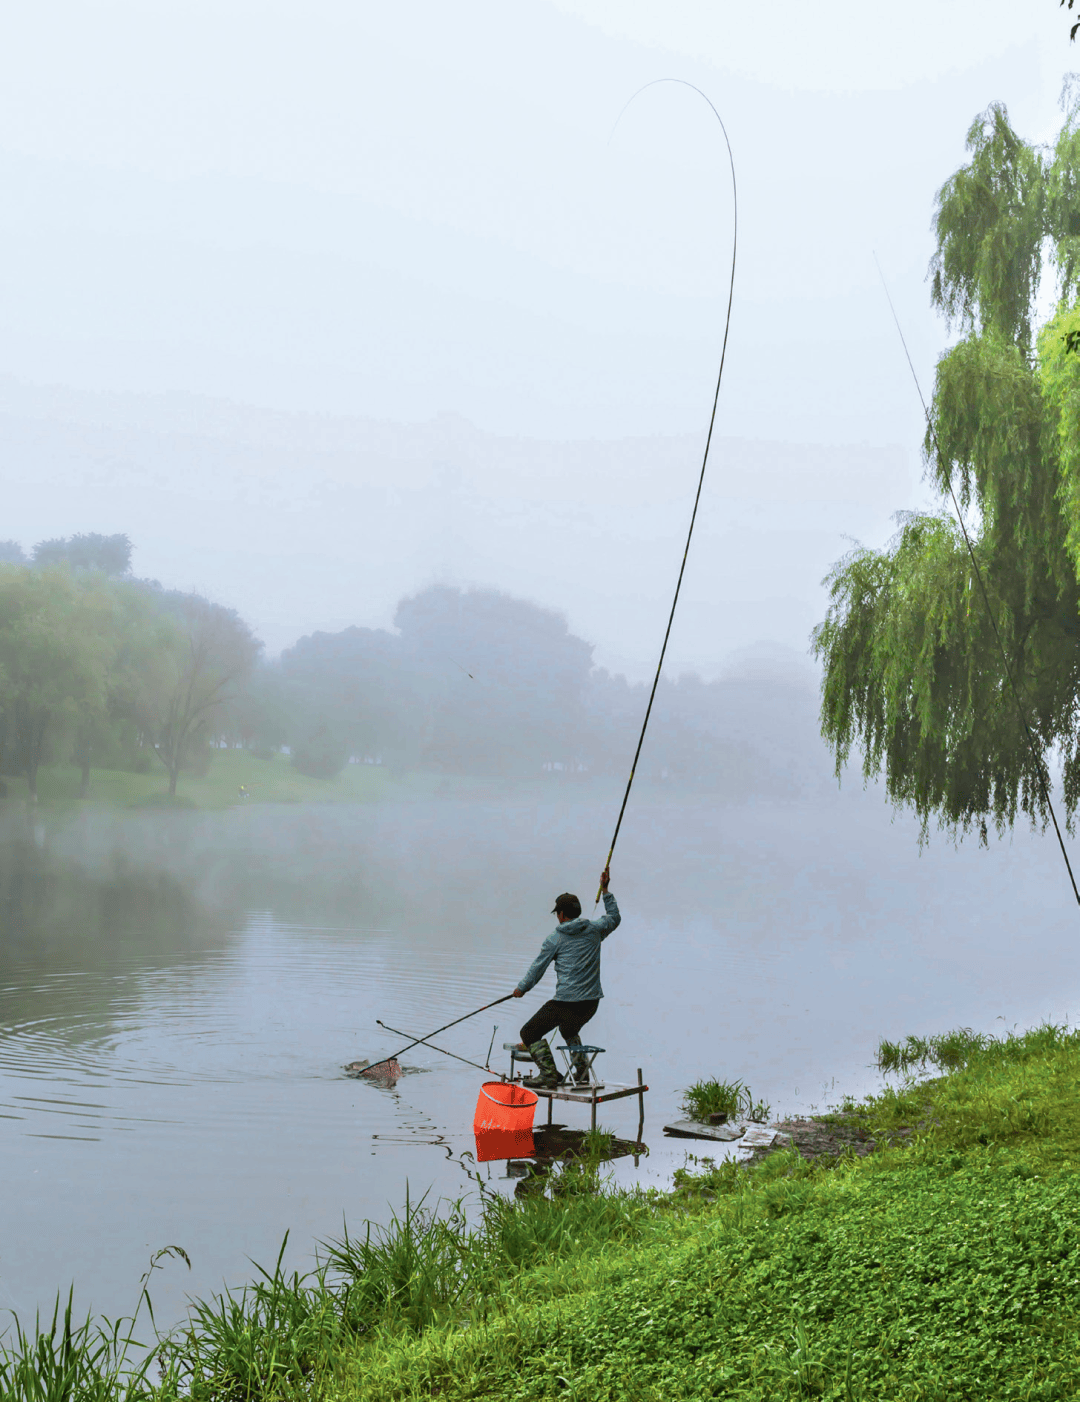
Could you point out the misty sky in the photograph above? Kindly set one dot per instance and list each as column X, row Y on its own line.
column 417, row 214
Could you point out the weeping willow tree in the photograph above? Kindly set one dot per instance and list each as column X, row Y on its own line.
column 915, row 674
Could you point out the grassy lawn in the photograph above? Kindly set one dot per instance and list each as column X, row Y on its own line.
column 276, row 781
column 268, row 780
column 944, row 1265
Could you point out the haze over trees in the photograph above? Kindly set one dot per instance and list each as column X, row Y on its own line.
column 915, row 677
column 55, row 646
column 107, row 671
column 111, row 554
column 476, row 682
column 190, row 657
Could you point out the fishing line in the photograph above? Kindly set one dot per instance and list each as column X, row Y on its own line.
column 708, row 443
column 458, row 665
column 1036, row 757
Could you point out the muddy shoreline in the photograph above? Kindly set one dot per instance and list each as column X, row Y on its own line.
column 836, row 1134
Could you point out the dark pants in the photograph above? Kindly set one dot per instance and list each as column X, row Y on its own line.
column 569, row 1018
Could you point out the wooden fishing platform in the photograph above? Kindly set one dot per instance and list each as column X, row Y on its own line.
column 593, row 1093
column 598, row 1095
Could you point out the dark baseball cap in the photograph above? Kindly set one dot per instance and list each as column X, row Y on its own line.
column 568, row 905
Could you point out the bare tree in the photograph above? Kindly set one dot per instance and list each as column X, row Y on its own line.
column 183, row 666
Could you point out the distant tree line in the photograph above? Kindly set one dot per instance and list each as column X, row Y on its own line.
column 110, row 671
column 476, row 682
column 111, row 554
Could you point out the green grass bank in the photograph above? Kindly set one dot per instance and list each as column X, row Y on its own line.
column 234, row 778
column 943, row 1265
column 270, row 780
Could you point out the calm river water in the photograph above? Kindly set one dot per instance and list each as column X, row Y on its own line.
column 179, row 992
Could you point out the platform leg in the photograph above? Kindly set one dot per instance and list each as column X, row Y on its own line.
column 592, row 1124
column 641, row 1109
column 550, row 1101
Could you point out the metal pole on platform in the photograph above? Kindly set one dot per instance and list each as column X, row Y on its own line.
column 641, row 1108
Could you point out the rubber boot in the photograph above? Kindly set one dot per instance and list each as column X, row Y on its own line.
column 579, row 1061
column 547, row 1077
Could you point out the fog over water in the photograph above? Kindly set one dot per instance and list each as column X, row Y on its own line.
column 170, row 1065
column 360, row 324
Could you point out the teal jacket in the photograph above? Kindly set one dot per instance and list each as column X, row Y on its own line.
column 575, row 947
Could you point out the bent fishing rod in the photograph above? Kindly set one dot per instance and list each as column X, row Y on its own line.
column 1044, row 788
column 417, row 1040
column 705, row 457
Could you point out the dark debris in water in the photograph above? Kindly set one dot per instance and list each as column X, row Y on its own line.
column 555, row 1141
column 554, row 1145
column 827, row 1136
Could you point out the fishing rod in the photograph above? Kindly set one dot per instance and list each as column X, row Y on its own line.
column 423, row 1042
column 1043, row 786
column 417, row 1040
column 705, row 457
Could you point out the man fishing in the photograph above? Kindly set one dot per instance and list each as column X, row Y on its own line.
column 575, row 946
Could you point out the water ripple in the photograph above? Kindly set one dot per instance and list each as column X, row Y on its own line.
column 282, row 1003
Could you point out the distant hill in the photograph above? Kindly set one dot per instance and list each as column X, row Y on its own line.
column 311, row 523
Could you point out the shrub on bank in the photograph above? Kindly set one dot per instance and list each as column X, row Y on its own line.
column 712, row 1098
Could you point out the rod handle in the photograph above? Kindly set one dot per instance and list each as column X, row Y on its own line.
column 600, row 888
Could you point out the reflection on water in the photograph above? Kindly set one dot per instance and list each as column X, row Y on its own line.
column 180, row 992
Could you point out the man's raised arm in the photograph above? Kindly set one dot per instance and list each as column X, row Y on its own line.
column 610, row 917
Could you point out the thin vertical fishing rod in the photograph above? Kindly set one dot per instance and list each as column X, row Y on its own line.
column 705, row 456
column 1036, row 757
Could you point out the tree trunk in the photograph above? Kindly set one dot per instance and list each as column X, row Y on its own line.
column 34, row 751
column 31, row 732
column 174, row 774
column 84, row 787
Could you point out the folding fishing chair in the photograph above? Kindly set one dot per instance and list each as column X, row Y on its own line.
column 590, row 1053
